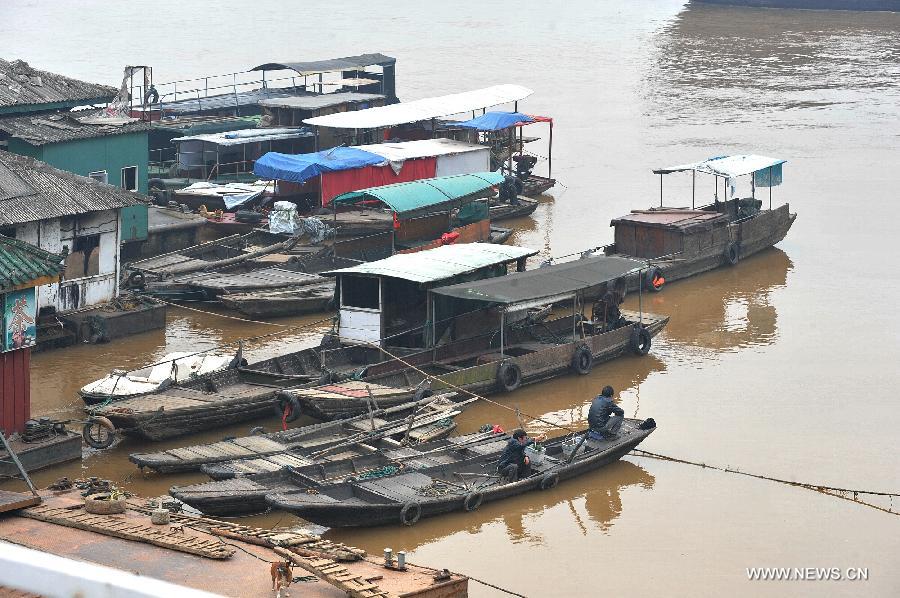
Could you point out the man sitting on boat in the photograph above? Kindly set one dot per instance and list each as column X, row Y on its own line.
column 605, row 417
column 514, row 464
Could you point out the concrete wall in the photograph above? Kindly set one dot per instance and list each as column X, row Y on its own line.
column 84, row 156
column 58, row 233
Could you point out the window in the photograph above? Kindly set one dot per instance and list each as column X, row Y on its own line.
column 84, row 258
column 129, row 178
column 359, row 291
column 8, row 231
column 99, row 175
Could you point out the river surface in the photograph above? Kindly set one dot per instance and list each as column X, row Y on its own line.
column 786, row 365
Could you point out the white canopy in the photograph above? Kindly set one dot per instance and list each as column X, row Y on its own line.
column 727, row 166
column 245, row 136
column 425, row 109
column 423, row 148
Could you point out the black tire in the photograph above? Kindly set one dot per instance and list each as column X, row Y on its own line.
column 582, row 360
column 248, row 216
column 410, row 513
column 654, row 280
column 732, row 254
column 550, row 480
column 509, row 376
column 285, row 401
column 99, row 433
column 640, row 341
column 472, row 501
column 135, row 279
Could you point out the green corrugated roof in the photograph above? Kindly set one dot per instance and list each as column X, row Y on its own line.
column 426, row 194
column 22, row 263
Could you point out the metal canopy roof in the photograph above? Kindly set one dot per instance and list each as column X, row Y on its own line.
column 397, row 151
column 727, row 166
column 439, row 263
column 245, row 136
column 315, row 67
column 426, row 109
column 319, row 101
column 22, row 264
column 426, row 194
column 555, row 281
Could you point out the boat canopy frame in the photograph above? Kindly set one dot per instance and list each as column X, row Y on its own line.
column 727, row 167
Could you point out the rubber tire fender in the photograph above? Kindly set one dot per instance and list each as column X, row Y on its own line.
column 550, row 480
column 283, row 400
column 582, row 360
column 103, row 423
column 652, row 274
column 640, row 341
column 732, row 254
column 472, row 501
column 135, row 279
column 406, row 518
column 504, row 371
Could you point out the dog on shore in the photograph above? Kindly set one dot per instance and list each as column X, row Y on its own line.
column 282, row 575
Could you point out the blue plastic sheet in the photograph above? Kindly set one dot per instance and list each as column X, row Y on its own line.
column 496, row 121
column 299, row 168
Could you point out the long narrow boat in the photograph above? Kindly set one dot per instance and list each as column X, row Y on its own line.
column 681, row 242
column 247, row 493
column 505, row 211
column 293, row 301
column 268, row 452
column 452, row 486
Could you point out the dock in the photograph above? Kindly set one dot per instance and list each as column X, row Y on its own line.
column 214, row 556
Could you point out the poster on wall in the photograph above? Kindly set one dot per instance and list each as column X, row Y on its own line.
column 19, row 315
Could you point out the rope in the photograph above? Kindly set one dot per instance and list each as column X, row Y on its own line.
column 433, row 570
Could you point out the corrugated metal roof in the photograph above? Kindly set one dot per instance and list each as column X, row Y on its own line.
column 318, row 101
column 22, row 263
column 315, row 67
column 64, row 126
column 225, row 100
column 33, row 190
column 440, row 263
column 727, row 166
column 426, row 194
column 549, row 281
column 246, row 136
column 428, row 108
column 397, row 151
column 22, row 85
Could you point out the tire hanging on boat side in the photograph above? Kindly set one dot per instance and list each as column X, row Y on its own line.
column 509, row 376
column 407, row 518
column 550, row 480
column 472, row 501
column 732, row 253
column 640, row 340
column 582, row 359
column 92, row 432
column 285, row 401
column 654, row 280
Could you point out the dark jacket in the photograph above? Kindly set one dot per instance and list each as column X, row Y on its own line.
column 514, row 453
column 601, row 410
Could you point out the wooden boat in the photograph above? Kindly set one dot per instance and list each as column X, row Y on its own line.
column 171, row 369
column 213, row 285
column 268, row 452
column 500, row 346
column 293, row 301
column 682, row 242
column 247, row 493
column 535, row 185
column 505, row 211
column 452, row 486
column 338, row 400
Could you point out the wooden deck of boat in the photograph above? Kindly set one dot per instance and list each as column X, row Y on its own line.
column 13, row 501
column 264, row 278
column 184, row 398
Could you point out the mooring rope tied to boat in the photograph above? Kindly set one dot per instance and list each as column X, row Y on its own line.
column 640, row 452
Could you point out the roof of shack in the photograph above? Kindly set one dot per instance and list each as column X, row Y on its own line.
column 22, row 263
column 23, row 85
column 59, row 127
column 347, row 63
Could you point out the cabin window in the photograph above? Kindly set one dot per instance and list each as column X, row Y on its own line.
column 129, row 178
column 359, row 291
column 84, row 258
column 8, row 231
column 99, row 175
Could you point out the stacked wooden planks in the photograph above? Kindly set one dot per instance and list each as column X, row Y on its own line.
column 337, row 575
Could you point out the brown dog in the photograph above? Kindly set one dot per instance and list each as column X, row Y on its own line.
column 282, row 575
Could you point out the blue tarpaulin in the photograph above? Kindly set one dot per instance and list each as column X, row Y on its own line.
column 495, row 121
column 299, row 168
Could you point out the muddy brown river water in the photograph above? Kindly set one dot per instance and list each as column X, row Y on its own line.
column 786, row 365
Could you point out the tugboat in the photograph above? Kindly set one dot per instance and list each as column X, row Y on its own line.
column 679, row 241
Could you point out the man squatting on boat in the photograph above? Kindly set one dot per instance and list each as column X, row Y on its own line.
column 514, row 463
column 605, row 417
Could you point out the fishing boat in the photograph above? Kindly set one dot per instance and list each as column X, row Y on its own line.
column 171, row 369
column 481, row 336
column 449, row 486
column 264, row 452
column 679, row 242
column 247, row 493
column 521, row 206
column 293, row 301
